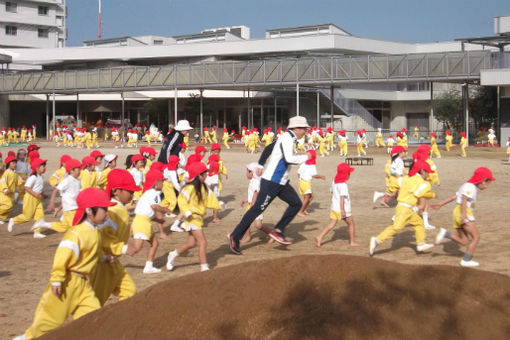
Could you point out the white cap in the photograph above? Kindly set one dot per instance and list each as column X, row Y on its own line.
column 183, row 125
column 298, row 122
column 109, row 158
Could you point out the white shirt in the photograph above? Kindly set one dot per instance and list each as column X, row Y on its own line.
column 307, row 171
column 253, row 187
column 35, row 182
column 390, row 140
column 339, row 190
column 69, row 188
column 137, row 175
column 144, row 205
column 23, row 168
column 182, row 162
column 491, row 136
column 469, row 190
column 397, row 167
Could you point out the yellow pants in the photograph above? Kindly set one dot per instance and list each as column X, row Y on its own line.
column 448, row 145
column 170, row 200
column 88, row 143
column 343, row 148
column 379, row 142
column 360, row 148
column 142, row 228
column 434, row 151
column 32, row 209
column 194, row 222
column 6, row 205
column 65, row 223
column 225, row 142
column 457, row 216
column 322, row 150
column 112, row 279
column 463, row 150
column 21, row 186
column 77, row 299
column 393, row 185
column 403, row 217
column 305, row 187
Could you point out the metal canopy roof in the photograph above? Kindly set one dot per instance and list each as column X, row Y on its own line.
column 499, row 41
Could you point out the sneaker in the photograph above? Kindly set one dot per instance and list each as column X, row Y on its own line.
column 39, row 235
column 170, row 260
column 469, row 263
column 429, row 227
column 204, row 267
column 175, row 227
column 279, row 237
column 234, row 245
column 20, row 337
column 377, row 195
column 440, row 235
column 151, row 270
column 424, row 246
column 40, row 224
column 10, row 225
column 373, row 244
column 2, row 222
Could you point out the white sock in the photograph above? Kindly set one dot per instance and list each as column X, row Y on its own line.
column 174, row 253
column 204, row 267
column 148, row 264
column 176, row 223
column 425, row 216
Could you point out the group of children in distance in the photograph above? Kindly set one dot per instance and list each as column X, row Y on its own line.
column 12, row 136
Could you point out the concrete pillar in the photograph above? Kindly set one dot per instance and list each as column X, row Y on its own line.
column 5, row 114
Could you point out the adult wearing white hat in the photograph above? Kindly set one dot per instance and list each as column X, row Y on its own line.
column 275, row 183
column 173, row 141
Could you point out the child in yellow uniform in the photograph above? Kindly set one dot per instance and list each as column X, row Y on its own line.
column 23, row 134
column 394, row 172
column 434, row 151
column 69, row 291
column 422, row 154
column 111, row 277
column 359, row 143
column 171, row 185
column 306, row 172
column 225, row 138
column 194, row 200
column 69, row 189
column 448, row 140
column 15, row 135
column 379, row 139
column 136, row 170
column 148, row 209
column 88, row 175
column 330, row 139
column 390, row 142
column 342, row 143
column 340, row 204
column 508, row 148
column 58, row 175
column 110, row 162
column 34, row 131
column 32, row 204
column 463, row 218
column 149, row 154
column 416, row 130
column 95, row 144
column 214, row 138
column 88, row 139
column 463, row 143
column 404, row 138
column 8, row 183
column 322, row 145
column 413, row 188
column 207, row 137
column 3, row 142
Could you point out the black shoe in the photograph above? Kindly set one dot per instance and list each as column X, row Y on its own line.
column 234, row 245
column 278, row 237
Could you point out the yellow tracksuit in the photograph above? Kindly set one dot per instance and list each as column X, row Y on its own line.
column 434, row 151
column 57, row 176
column 433, row 177
column 214, row 139
column 463, row 145
column 222, row 171
column 88, row 179
column 32, row 209
column 406, row 212
column 330, row 138
column 113, row 278
column 88, row 139
column 103, row 179
column 65, row 223
column 8, row 183
column 75, row 260
column 343, row 146
column 379, row 140
column 449, row 143
column 207, row 138
column 94, row 140
column 322, row 146
column 170, row 199
column 189, row 203
column 225, row 139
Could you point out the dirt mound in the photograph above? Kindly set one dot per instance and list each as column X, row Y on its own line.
column 310, row 297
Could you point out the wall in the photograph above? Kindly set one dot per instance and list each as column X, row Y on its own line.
column 400, row 109
column 4, row 111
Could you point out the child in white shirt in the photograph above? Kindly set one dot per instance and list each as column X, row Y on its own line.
column 306, row 172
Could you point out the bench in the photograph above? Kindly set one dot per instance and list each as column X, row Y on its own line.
column 359, row 161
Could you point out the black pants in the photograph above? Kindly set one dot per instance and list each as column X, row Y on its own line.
column 268, row 191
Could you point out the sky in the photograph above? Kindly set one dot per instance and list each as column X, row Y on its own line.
column 410, row 21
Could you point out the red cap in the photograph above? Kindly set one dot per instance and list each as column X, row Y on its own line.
column 11, row 154
column 480, row 174
column 120, row 179
column 313, row 157
column 404, row 130
column 151, row 178
column 158, row 166
column 90, row 198
column 433, row 134
column 225, row 130
column 399, row 134
column 215, row 146
column 21, row 151
column 420, row 156
column 72, row 163
column 196, row 169
column 151, row 150
column 206, row 129
column 34, row 163
column 136, row 158
column 10, row 159
column 448, row 132
column 64, row 158
column 87, row 160
column 200, row 148
column 420, row 165
column 173, row 160
column 397, row 149
column 34, row 154
column 96, row 153
column 463, row 134
column 390, row 136
column 32, row 147
column 424, row 148
column 342, row 172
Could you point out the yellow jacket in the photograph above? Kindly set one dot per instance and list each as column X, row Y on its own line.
column 433, row 140
column 88, row 179
column 103, row 179
column 188, row 201
column 433, row 177
column 9, row 181
column 414, row 188
column 115, row 231
column 57, row 176
column 77, row 252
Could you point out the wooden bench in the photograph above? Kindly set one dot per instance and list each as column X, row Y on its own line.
column 359, row 161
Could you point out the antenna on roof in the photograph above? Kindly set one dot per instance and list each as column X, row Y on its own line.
column 99, row 20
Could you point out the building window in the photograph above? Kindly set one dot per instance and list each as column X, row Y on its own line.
column 42, row 32
column 158, row 42
column 11, row 30
column 11, row 7
column 43, row 10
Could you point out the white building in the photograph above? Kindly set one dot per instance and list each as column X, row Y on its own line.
column 32, row 24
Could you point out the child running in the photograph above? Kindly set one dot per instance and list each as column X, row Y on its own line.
column 394, row 171
column 340, row 204
column 306, row 172
column 69, row 291
column 463, row 218
column 8, row 183
column 194, row 200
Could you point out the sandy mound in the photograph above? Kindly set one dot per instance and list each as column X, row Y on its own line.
column 310, row 297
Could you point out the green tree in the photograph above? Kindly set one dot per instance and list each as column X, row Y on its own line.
column 484, row 107
column 448, row 109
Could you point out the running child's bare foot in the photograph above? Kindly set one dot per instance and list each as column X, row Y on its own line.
column 246, row 239
column 354, row 244
column 306, row 213
column 216, row 220
column 270, row 241
column 384, row 204
column 301, row 214
column 318, row 242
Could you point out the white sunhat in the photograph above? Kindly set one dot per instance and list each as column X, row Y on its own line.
column 183, row 125
column 298, row 122
column 109, row 158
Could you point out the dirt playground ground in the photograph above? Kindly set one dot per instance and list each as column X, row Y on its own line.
column 25, row 262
